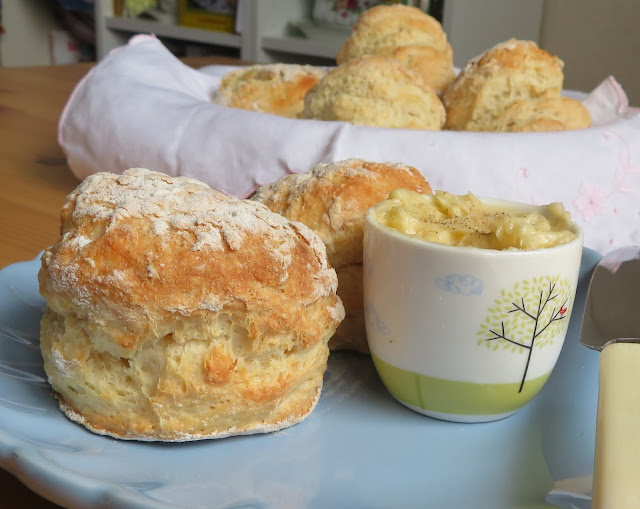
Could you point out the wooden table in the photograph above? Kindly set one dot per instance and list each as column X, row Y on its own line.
column 34, row 181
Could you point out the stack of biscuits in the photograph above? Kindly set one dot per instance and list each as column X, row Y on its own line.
column 332, row 200
column 396, row 71
column 408, row 36
column 177, row 313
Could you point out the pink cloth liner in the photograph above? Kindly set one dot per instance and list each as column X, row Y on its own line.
column 623, row 100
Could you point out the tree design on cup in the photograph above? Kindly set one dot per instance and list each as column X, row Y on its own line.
column 529, row 316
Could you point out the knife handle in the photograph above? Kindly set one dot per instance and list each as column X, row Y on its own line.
column 616, row 476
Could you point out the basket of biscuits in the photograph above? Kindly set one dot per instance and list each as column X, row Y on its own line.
column 502, row 125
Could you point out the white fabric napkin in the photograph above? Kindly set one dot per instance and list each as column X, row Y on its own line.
column 141, row 107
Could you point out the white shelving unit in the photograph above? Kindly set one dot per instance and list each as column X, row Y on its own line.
column 471, row 26
column 264, row 31
column 131, row 26
column 301, row 46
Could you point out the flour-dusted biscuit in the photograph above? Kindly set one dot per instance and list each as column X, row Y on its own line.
column 375, row 91
column 406, row 34
column 269, row 88
column 332, row 200
column 516, row 79
column 177, row 313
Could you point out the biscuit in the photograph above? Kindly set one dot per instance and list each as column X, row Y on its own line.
column 375, row 91
column 507, row 72
column 491, row 83
column 549, row 113
column 269, row 88
column 332, row 200
column 177, row 313
column 406, row 34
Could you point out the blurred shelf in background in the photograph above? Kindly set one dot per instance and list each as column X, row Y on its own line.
column 592, row 41
column 285, row 30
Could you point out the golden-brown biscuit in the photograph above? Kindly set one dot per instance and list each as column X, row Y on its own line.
column 406, row 34
column 269, row 88
column 332, row 200
column 549, row 113
column 375, row 91
column 177, row 313
column 510, row 71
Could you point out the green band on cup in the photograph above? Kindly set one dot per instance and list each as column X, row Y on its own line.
column 452, row 397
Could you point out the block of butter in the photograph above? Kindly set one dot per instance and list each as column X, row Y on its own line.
column 616, row 477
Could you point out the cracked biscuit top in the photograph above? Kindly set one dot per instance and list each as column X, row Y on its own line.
column 138, row 247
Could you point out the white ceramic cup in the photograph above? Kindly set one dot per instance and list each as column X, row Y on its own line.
column 462, row 333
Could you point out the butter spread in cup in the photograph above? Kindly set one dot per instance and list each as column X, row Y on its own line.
column 468, row 221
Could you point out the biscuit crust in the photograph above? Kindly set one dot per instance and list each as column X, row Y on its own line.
column 332, row 200
column 178, row 313
column 375, row 91
column 514, row 86
column 548, row 113
column 269, row 88
column 406, row 34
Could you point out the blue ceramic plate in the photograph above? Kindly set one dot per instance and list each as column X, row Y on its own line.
column 358, row 449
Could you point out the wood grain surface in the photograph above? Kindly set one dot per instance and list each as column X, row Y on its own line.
column 34, row 181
